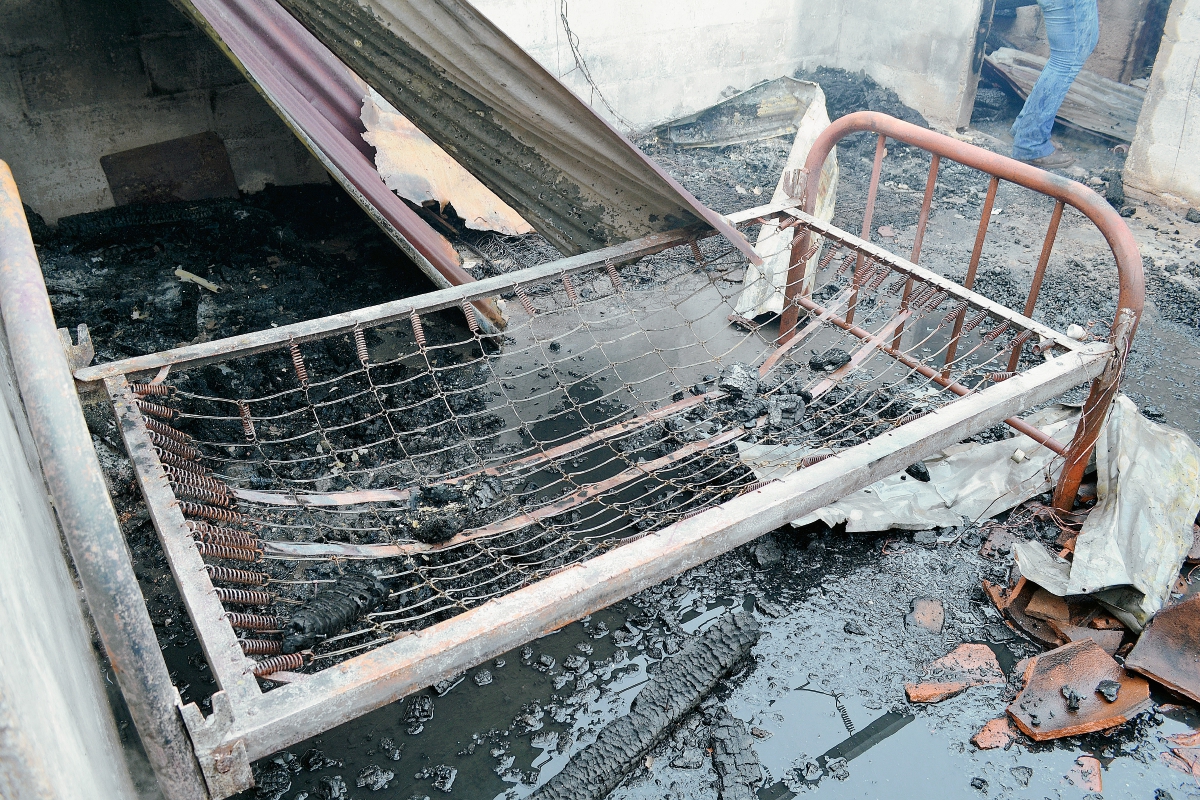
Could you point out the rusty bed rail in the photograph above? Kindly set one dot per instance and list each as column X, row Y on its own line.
column 1131, row 280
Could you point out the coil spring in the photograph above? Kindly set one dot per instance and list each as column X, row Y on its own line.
column 202, row 495
column 808, row 461
column 261, row 647
column 898, row 285
column 696, row 254
column 1020, row 339
column 288, row 661
column 974, row 322
column 298, row 364
column 238, row 541
column 210, row 512
column 156, row 410
column 922, row 293
column 472, row 320
column 163, row 429
column 526, row 303
column 613, row 276
column 812, row 251
column 155, row 389
column 991, row 335
column 862, row 276
column 418, row 329
column 997, row 377
column 829, row 255
column 254, row 622
column 846, row 262
column 178, row 448
column 198, row 527
column 879, row 278
column 229, row 553
column 244, row 597
column 360, row 346
column 230, row 575
column 754, row 487
column 170, row 459
column 570, row 287
column 938, row 298
column 198, row 481
column 913, row 417
column 845, row 713
column 247, row 422
column 954, row 311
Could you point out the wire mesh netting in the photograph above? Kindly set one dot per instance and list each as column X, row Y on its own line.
column 377, row 482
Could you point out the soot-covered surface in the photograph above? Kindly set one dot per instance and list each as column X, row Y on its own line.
column 834, row 653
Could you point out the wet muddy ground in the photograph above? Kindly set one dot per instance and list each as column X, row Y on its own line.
column 826, row 677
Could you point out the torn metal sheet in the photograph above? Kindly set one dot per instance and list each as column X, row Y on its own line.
column 321, row 100
column 764, row 286
column 507, row 120
column 418, row 170
column 1133, row 542
column 766, row 110
column 1093, row 103
column 968, row 480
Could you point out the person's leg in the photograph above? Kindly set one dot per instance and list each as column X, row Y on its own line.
column 1072, row 27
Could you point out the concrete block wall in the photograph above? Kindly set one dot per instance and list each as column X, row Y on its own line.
column 1165, row 155
column 655, row 60
column 80, row 79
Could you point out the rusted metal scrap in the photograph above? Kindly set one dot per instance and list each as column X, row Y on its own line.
column 1066, row 693
column 1169, row 649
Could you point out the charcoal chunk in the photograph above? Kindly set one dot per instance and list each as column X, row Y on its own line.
column 333, row 610
column 829, row 361
column 918, row 471
column 739, row 380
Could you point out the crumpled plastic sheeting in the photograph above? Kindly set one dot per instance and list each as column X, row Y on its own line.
column 966, row 480
column 762, row 287
column 1130, row 549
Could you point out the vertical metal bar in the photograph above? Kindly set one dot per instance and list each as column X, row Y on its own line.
column 84, row 508
column 1038, row 274
column 972, row 267
column 868, row 213
column 919, row 239
column 797, row 277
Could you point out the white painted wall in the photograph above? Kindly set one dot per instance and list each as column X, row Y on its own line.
column 1165, row 154
column 655, row 60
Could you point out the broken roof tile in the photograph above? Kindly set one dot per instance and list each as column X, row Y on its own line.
column 1169, row 649
column 963, row 667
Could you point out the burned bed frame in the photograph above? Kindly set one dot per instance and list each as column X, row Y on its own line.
column 201, row 517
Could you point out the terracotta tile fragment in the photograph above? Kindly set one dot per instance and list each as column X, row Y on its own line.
column 1109, row 641
column 1045, row 606
column 1169, row 650
column 1183, row 753
column 1086, row 774
column 997, row 733
column 1012, row 603
column 1075, row 669
column 963, row 667
column 926, row 613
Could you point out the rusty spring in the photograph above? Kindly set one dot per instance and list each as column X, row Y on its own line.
column 244, row 597
column 360, row 346
column 298, row 364
column 289, row 661
column 254, row 622
column 168, row 458
column 897, row 285
column 185, row 478
column 613, row 276
column 879, row 278
column 913, row 417
column 696, row 254
column 830, row 254
column 954, row 311
column 171, row 445
column 202, row 495
column 862, row 276
column 754, row 487
column 472, row 320
column 570, row 287
column 997, row 377
column 920, row 294
column 527, row 304
column 844, row 712
column 808, row 461
column 156, row 410
column 936, row 300
column 145, row 389
column 163, row 429
column 991, row 335
column 242, row 576
column 238, row 541
column 247, row 422
column 210, row 512
column 1020, row 339
column 261, row 647
column 229, row 553
column 846, row 262
column 812, row 251
column 418, row 329
column 974, row 322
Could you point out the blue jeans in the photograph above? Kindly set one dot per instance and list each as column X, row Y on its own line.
column 1072, row 26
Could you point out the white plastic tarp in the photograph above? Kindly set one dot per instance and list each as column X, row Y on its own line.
column 968, row 480
column 1133, row 542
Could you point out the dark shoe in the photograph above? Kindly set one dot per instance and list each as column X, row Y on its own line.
column 1056, row 160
